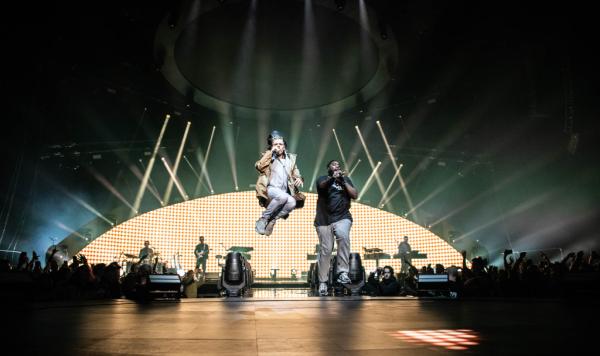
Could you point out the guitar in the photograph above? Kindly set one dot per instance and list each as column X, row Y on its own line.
column 201, row 254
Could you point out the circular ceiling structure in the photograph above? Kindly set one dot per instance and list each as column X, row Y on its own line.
column 249, row 57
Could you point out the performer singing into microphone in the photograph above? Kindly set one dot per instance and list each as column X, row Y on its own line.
column 279, row 177
column 333, row 222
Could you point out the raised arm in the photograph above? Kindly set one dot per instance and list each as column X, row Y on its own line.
column 323, row 184
column 507, row 264
column 264, row 162
column 343, row 181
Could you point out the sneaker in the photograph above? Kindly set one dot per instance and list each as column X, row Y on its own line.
column 323, row 289
column 344, row 279
column 261, row 225
column 269, row 228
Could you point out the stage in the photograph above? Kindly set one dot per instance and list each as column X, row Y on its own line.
column 304, row 325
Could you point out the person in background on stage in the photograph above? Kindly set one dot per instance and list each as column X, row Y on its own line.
column 333, row 221
column 388, row 285
column 201, row 252
column 404, row 251
column 408, row 282
column 279, row 178
column 146, row 253
column 190, row 285
column 382, row 282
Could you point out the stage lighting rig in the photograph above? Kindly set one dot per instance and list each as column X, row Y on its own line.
column 356, row 272
column 236, row 276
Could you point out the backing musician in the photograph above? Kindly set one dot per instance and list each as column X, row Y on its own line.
column 404, row 251
column 201, row 252
column 146, row 253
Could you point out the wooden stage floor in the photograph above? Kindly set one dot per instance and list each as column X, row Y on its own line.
column 300, row 325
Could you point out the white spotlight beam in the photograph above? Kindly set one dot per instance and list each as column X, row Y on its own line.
column 88, row 207
column 431, row 195
column 176, row 166
column 230, row 147
column 371, row 162
column 330, row 123
column 354, row 168
column 340, row 149
column 262, row 127
column 435, row 192
column 140, row 193
column 295, row 131
column 175, row 180
column 396, row 168
column 203, row 160
column 193, row 170
column 100, row 178
column 521, row 174
column 517, row 210
column 387, row 190
column 203, row 174
column 151, row 187
column 310, row 56
column 70, row 230
column 369, row 181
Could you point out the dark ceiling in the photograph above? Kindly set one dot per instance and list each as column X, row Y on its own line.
column 519, row 58
column 209, row 54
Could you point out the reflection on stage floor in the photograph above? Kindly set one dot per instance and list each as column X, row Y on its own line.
column 288, row 322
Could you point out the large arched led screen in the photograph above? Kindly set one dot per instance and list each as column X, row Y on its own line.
column 228, row 220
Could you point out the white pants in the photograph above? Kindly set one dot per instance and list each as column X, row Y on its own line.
column 340, row 231
column 281, row 204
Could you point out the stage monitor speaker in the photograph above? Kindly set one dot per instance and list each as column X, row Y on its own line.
column 211, row 276
column 433, row 282
column 208, row 289
column 166, row 285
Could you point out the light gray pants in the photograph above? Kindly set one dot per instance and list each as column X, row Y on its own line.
column 340, row 231
column 281, row 204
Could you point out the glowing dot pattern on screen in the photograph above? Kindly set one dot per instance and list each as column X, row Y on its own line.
column 227, row 220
